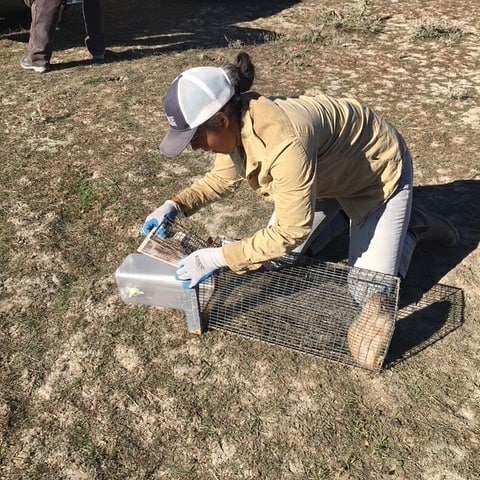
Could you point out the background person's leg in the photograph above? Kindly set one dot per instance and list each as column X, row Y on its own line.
column 42, row 30
column 95, row 40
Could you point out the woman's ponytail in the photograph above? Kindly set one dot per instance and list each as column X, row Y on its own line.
column 241, row 74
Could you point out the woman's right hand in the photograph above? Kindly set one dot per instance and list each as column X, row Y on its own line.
column 159, row 218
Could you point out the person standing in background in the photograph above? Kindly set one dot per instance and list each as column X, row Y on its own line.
column 45, row 14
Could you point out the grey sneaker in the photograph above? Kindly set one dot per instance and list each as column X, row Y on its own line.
column 27, row 64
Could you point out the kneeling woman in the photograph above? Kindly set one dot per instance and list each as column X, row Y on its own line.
column 319, row 159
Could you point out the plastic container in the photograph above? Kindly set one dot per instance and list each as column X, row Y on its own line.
column 143, row 280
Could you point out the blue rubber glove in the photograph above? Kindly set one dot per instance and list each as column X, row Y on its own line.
column 200, row 265
column 168, row 211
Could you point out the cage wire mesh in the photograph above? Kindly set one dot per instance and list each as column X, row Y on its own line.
column 423, row 319
column 323, row 309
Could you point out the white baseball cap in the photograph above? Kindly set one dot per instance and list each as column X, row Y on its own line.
column 192, row 98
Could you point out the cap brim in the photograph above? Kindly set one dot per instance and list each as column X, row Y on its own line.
column 175, row 141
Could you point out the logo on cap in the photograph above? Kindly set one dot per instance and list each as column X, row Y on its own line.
column 171, row 120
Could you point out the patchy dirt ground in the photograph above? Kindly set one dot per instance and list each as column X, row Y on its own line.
column 91, row 388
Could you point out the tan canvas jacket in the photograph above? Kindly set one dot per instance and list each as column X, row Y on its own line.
column 297, row 150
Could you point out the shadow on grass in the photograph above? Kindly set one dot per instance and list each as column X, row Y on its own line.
column 14, row 16
column 139, row 28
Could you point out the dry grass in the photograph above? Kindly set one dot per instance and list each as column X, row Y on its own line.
column 435, row 29
column 352, row 18
column 91, row 388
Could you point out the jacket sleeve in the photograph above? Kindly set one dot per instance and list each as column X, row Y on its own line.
column 219, row 182
column 293, row 189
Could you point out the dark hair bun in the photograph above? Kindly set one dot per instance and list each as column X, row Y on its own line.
column 242, row 73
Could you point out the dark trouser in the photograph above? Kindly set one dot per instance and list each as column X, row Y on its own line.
column 92, row 15
column 42, row 30
column 44, row 22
